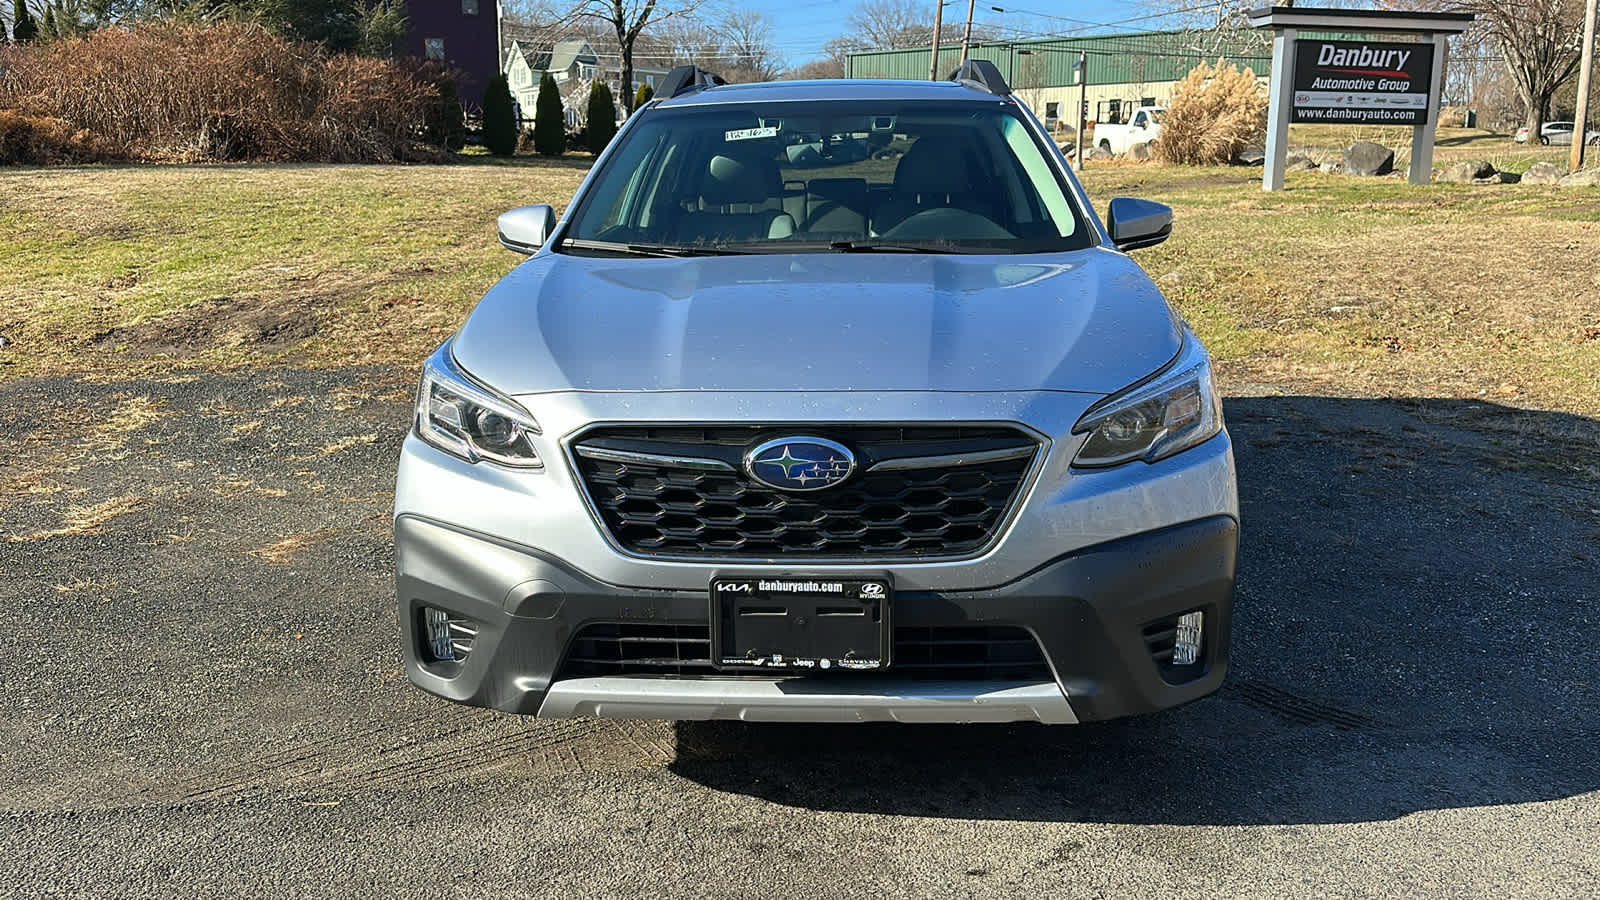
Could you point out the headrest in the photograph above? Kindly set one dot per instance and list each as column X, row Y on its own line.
column 933, row 165
column 730, row 180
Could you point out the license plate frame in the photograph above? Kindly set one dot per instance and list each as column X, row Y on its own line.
column 801, row 623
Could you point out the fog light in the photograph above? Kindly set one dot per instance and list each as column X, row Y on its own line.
column 1186, row 651
column 440, row 646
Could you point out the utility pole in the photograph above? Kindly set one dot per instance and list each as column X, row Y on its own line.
column 1083, row 105
column 938, row 26
column 966, row 37
column 1580, row 128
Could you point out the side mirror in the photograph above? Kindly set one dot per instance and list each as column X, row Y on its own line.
column 1135, row 223
column 526, row 228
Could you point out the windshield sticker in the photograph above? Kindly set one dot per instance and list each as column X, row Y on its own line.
column 748, row 134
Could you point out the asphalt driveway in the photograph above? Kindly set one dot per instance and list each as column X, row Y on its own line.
column 201, row 695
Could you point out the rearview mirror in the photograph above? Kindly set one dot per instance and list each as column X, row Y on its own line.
column 1136, row 223
column 526, row 228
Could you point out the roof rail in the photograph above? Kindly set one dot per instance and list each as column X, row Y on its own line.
column 686, row 78
column 980, row 74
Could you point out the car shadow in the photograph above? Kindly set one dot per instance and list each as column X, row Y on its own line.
column 1415, row 630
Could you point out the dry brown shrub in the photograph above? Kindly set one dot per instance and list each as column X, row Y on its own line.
column 41, row 141
column 1216, row 113
column 226, row 91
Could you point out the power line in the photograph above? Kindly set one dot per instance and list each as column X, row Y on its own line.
column 1084, row 23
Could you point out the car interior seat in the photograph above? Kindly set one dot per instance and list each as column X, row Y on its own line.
column 836, row 205
column 934, row 174
column 740, row 200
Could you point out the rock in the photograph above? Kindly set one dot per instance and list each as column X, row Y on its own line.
column 1583, row 178
column 1497, row 178
column 1298, row 163
column 1254, row 156
column 1139, row 152
column 1368, row 159
column 1332, row 167
column 1543, row 173
column 1099, row 153
column 1467, row 172
column 4, row 341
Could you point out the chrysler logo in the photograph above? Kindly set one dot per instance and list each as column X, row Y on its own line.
column 800, row 463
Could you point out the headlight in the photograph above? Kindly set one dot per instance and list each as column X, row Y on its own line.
column 1171, row 412
column 467, row 420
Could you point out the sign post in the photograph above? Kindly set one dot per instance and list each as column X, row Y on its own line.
column 1283, row 41
column 1355, row 79
column 1083, row 105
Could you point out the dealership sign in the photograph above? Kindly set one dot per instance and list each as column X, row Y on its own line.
column 1361, row 83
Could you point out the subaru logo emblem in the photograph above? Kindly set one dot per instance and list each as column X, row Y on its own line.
column 800, row 463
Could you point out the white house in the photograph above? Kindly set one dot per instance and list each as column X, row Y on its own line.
column 575, row 66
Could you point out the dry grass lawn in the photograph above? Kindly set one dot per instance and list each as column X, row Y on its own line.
column 1336, row 285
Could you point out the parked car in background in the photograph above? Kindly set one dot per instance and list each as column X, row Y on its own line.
column 1558, row 133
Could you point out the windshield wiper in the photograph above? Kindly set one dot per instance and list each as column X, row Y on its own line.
column 667, row 250
column 887, row 247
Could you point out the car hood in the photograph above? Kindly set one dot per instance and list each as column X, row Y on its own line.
column 1088, row 321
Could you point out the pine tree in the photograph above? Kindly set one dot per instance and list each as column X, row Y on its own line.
column 549, row 119
column 644, row 95
column 23, row 28
column 47, row 26
column 383, row 26
column 335, row 24
column 499, row 119
column 600, row 119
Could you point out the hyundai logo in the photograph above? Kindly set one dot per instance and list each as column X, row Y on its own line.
column 800, row 463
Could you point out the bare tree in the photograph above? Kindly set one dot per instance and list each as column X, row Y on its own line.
column 627, row 19
column 683, row 41
column 826, row 67
column 896, row 24
column 882, row 24
column 1540, row 43
column 747, row 41
column 836, row 54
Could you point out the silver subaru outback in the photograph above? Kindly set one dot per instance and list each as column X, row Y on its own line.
column 823, row 401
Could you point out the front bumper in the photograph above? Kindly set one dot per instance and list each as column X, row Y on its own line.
column 1089, row 611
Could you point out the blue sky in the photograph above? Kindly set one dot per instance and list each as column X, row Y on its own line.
column 801, row 28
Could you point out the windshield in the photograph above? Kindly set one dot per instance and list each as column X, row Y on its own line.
column 1155, row 116
column 829, row 176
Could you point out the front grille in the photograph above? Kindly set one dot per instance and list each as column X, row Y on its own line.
column 969, row 653
column 683, row 491
column 639, row 649
column 921, row 653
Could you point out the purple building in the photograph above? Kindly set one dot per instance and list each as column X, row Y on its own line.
column 463, row 33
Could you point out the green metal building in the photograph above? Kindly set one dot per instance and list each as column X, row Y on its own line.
column 1125, row 70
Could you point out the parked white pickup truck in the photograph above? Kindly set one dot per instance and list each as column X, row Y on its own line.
column 1144, row 127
